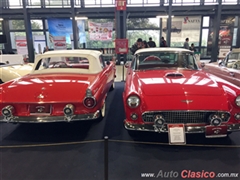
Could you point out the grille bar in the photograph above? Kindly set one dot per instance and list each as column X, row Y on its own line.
column 184, row 116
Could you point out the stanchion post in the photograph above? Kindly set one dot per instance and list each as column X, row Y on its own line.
column 106, row 158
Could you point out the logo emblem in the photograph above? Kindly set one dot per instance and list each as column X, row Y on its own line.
column 40, row 96
column 187, row 101
column 40, row 109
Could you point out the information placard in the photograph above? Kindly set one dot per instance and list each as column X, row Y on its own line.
column 176, row 133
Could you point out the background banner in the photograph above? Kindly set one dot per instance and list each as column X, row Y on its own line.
column 60, row 27
column 183, row 27
column 100, row 31
column 225, row 36
column 21, row 45
column 81, row 31
column 59, row 43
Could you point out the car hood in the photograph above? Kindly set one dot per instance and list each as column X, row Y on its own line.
column 47, row 88
column 181, row 82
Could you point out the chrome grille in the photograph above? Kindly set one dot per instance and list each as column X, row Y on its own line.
column 184, row 116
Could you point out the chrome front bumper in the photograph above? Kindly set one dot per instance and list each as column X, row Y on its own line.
column 188, row 128
column 48, row 119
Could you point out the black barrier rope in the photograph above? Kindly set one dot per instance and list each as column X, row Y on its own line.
column 119, row 141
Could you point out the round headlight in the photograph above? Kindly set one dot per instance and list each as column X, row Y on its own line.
column 237, row 101
column 133, row 101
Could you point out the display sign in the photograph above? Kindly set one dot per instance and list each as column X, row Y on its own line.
column 39, row 43
column 21, row 45
column 100, row 31
column 223, row 52
column 121, row 5
column 60, row 27
column 176, row 133
column 60, row 43
column 121, row 46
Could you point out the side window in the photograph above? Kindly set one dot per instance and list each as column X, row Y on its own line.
column 133, row 64
column 101, row 61
column 233, row 61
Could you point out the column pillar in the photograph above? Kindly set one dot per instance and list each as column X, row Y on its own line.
column 74, row 26
column 6, row 31
column 28, row 28
column 238, row 34
column 169, row 23
column 216, row 28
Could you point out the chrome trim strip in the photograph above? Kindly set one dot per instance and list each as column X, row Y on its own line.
column 188, row 129
column 48, row 119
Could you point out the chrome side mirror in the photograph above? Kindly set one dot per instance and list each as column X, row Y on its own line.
column 202, row 64
column 126, row 65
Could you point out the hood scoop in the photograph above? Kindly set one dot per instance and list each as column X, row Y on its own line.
column 174, row 75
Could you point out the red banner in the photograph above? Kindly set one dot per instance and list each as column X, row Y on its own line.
column 121, row 5
column 121, row 46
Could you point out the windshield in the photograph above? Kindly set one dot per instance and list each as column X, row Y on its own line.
column 166, row 60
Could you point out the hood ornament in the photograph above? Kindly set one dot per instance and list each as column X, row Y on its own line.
column 187, row 101
column 40, row 96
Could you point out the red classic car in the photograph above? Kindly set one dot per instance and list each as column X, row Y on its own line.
column 167, row 87
column 56, row 91
column 228, row 68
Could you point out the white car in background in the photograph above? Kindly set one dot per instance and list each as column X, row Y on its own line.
column 11, row 71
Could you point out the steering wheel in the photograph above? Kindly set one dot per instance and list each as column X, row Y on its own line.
column 60, row 64
column 152, row 58
column 236, row 65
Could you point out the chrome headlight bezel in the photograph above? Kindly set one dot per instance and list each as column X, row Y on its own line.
column 133, row 99
column 237, row 101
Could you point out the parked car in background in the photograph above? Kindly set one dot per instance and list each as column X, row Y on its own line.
column 228, row 68
column 166, row 87
column 56, row 91
column 10, row 71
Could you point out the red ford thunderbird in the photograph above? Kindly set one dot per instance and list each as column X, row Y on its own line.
column 166, row 87
column 58, row 91
column 228, row 69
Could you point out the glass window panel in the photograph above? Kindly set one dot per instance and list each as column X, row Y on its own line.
column 33, row 3
column 229, row 1
column 206, row 20
column 151, row 2
column 186, row 2
column 13, row 38
column 58, row 3
column 133, row 35
column 236, row 21
column 204, row 36
column 234, row 42
column 210, row 2
column 142, row 23
column 16, row 24
column 15, row 3
column 37, row 24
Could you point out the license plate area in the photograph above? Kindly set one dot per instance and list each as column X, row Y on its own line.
column 40, row 109
column 216, row 131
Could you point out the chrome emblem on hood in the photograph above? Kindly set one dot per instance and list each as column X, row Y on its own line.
column 187, row 101
column 40, row 96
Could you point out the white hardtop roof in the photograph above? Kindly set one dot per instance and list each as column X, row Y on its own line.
column 91, row 55
column 162, row 49
column 236, row 50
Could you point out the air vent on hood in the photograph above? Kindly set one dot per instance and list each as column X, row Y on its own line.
column 174, row 75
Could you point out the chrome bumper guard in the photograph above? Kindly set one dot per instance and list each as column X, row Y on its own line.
column 48, row 119
column 188, row 128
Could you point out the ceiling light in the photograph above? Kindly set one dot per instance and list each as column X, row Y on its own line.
column 1, row 19
column 77, row 18
column 163, row 16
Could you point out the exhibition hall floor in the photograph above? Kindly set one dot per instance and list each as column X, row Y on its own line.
column 75, row 151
